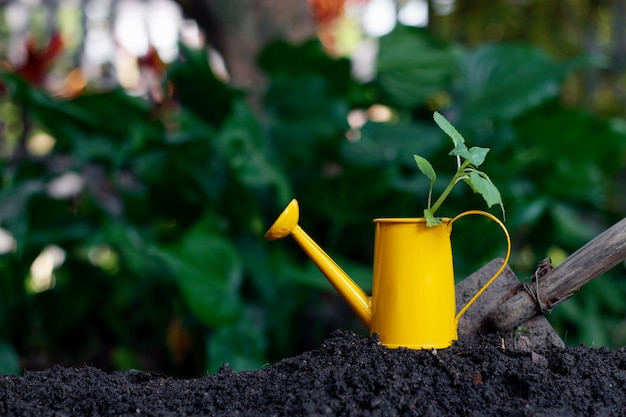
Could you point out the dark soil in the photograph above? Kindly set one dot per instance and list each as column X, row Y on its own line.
column 347, row 375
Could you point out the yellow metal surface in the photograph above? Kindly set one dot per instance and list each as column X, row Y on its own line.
column 413, row 302
column 286, row 222
column 498, row 272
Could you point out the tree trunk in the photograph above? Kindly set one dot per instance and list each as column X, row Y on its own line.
column 239, row 29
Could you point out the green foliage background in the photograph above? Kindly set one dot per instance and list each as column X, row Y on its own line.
column 178, row 199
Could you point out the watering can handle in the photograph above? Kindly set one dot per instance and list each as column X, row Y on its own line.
column 506, row 259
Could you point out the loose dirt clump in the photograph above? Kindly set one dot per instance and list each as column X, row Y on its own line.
column 347, row 376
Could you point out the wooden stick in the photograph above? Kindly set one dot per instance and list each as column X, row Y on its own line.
column 596, row 257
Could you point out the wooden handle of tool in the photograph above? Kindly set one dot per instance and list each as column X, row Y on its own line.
column 596, row 257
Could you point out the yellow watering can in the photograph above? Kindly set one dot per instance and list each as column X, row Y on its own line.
column 413, row 302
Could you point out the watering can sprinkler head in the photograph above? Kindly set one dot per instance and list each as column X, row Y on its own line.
column 286, row 222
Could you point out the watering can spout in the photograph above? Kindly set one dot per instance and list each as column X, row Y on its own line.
column 287, row 225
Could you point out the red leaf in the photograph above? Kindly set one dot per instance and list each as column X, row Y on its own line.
column 39, row 61
column 326, row 11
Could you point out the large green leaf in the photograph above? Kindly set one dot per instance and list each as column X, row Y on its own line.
column 504, row 80
column 39, row 103
column 198, row 88
column 569, row 153
column 241, row 344
column 118, row 114
column 383, row 144
column 15, row 197
column 208, row 271
column 281, row 59
column 63, row 119
column 412, row 66
column 240, row 145
column 91, row 126
column 307, row 103
column 572, row 226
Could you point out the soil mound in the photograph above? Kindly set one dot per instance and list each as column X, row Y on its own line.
column 347, row 376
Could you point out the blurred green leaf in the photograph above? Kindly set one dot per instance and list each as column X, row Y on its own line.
column 116, row 113
column 571, row 226
column 556, row 153
column 93, row 124
column 308, row 119
column 240, row 144
column 412, row 65
column 198, row 89
column 241, row 345
column 125, row 359
column 14, row 199
column 384, row 144
column 9, row 360
column 530, row 213
column 44, row 107
column 505, row 80
column 282, row 60
column 208, row 271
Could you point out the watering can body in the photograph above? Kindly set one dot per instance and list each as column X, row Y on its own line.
column 413, row 303
column 413, row 299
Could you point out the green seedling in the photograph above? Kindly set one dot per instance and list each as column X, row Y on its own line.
column 468, row 160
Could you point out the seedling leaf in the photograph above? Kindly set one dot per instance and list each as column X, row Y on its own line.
column 450, row 130
column 481, row 184
column 461, row 150
column 426, row 168
column 478, row 155
column 475, row 155
column 467, row 162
